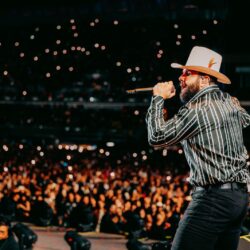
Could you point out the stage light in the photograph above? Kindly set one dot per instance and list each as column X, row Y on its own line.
column 134, row 244
column 25, row 235
column 162, row 245
column 76, row 241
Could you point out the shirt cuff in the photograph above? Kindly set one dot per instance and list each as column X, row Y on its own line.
column 157, row 101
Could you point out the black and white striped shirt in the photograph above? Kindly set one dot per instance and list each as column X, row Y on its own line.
column 209, row 127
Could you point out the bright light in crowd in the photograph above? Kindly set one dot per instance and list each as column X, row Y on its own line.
column 21, row 54
column 107, row 153
column 179, row 36
column 71, row 69
column 204, row 32
column 180, row 151
column 73, row 27
column 36, row 29
column 60, row 146
column 164, row 152
column 87, row 53
column 41, row 154
column 129, row 70
column 134, row 155
column 16, row 44
column 68, row 157
column 82, row 49
column 5, row 169
column 55, row 53
column 176, row 26
column 92, row 24
column 158, row 43
column 35, row 58
column 5, row 148
column 64, row 51
column 144, row 157
column 248, row 163
column 70, row 168
column 46, row 51
column 178, row 43
column 24, row 93
column 58, row 67
column 137, row 68
column 38, row 148
column 112, row 174
column 96, row 20
column 103, row 47
column 32, row 37
column 71, row 176
column 75, row 34
column 5, row 72
column 136, row 112
column 215, row 21
column 48, row 75
column 143, row 152
column 101, row 150
column 58, row 27
column 72, row 21
column 20, row 146
column 136, row 163
column 118, row 64
column 58, row 41
column 33, row 162
column 110, row 144
column 115, row 22
column 96, row 45
column 168, row 178
column 193, row 37
column 67, row 147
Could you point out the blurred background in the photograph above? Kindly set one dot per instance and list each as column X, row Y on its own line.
column 70, row 135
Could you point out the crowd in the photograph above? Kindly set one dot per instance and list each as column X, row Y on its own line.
column 91, row 192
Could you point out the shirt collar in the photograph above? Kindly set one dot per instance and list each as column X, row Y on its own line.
column 203, row 92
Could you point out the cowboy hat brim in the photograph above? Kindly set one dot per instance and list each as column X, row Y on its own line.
column 220, row 77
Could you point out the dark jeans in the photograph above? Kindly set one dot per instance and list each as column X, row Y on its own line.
column 212, row 221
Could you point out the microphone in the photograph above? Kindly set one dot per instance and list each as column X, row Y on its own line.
column 133, row 91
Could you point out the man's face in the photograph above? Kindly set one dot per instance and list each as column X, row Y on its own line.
column 189, row 82
column 3, row 232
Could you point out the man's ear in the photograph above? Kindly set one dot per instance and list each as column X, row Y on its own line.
column 204, row 81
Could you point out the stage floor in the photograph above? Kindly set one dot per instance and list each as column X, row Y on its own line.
column 52, row 238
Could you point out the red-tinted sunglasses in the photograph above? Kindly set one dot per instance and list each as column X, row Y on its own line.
column 187, row 72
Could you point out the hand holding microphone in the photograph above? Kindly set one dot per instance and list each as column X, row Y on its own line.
column 164, row 89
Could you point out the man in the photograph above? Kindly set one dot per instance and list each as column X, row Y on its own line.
column 7, row 241
column 209, row 127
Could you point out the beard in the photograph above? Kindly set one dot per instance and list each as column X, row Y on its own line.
column 189, row 92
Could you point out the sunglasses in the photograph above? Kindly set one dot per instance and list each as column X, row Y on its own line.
column 186, row 73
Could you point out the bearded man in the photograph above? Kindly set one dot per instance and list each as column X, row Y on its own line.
column 209, row 127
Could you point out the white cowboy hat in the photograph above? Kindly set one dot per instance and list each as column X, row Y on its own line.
column 206, row 61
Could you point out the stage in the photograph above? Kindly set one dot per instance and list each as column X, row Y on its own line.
column 52, row 238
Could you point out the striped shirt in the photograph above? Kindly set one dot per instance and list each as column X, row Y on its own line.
column 209, row 128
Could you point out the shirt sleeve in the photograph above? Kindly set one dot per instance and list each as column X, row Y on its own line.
column 245, row 117
column 163, row 133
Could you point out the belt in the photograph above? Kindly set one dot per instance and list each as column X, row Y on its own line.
column 226, row 185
